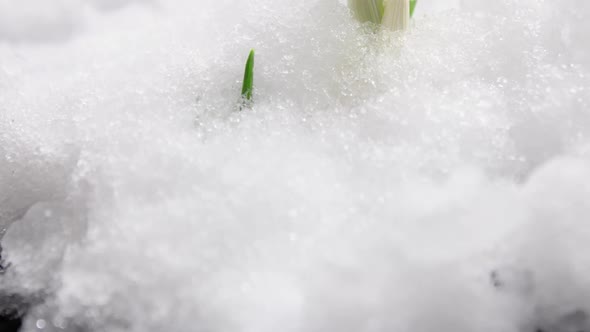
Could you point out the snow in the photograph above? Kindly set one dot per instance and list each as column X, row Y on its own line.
column 381, row 181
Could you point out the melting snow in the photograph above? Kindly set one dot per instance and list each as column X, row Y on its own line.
column 437, row 180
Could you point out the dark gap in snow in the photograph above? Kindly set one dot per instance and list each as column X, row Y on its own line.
column 10, row 323
column 13, row 307
column 12, row 311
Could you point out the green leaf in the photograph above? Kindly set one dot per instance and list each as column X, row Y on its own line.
column 248, row 85
column 412, row 7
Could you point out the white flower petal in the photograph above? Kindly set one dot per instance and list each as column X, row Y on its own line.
column 396, row 14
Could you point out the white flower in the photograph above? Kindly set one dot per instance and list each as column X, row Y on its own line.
column 396, row 15
column 392, row 14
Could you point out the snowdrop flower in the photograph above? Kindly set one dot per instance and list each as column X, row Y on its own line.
column 392, row 14
column 396, row 15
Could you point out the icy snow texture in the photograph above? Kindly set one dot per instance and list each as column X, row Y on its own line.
column 381, row 182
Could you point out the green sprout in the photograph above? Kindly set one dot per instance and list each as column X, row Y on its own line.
column 248, row 85
column 392, row 14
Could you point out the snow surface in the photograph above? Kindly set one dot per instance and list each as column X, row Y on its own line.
column 437, row 180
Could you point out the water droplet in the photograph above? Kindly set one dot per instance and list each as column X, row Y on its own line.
column 41, row 324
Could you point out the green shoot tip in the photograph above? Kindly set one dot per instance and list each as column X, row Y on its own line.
column 248, row 85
